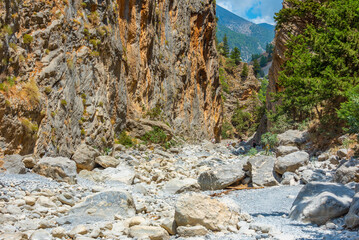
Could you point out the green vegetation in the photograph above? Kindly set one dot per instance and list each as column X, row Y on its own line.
column 252, row 152
column 94, row 18
column 7, row 84
column 27, row 39
column 32, row 92
column 124, row 139
column 95, row 54
column 322, row 62
column 156, row 135
column 257, row 69
column 269, row 140
column 222, row 78
column 251, row 41
column 227, row 130
column 242, row 121
column 155, row 113
column 29, row 126
column 236, row 55
column 225, row 46
column 244, row 73
column 349, row 111
column 63, row 102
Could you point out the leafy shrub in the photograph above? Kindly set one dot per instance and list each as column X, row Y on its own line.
column 29, row 126
column 95, row 54
column 244, row 73
column 124, row 139
column 349, row 111
column 269, row 140
column 252, row 152
column 222, row 78
column 242, row 121
column 63, row 102
column 27, row 39
column 156, row 135
column 155, row 113
column 227, row 130
column 32, row 92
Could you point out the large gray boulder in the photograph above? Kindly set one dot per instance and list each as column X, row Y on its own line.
column 320, row 202
column 221, row 177
column 347, row 172
column 148, row 232
column 177, row 186
column 317, row 175
column 60, row 169
column 84, row 157
column 198, row 209
column 291, row 162
column 121, row 174
column 101, row 207
column 261, row 168
column 293, row 137
column 352, row 218
column 285, row 150
column 107, row 161
column 13, row 164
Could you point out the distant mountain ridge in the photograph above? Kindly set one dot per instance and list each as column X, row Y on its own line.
column 249, row 37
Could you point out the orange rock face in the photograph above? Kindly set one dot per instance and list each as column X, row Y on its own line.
column 76, row 72
column 172, row 63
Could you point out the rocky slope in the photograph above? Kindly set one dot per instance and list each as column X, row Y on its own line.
column 238, row 93
column 188, row 191
column 79, row 71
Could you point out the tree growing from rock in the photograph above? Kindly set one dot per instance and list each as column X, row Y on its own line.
column 225, row 46
column 244, row 73
column 236, row 55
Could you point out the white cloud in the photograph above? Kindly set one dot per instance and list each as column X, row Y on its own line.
column 257, row 11
column 226, row 5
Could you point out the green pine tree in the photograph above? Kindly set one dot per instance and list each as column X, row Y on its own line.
column 256, row 67
column 322, row 62
column 244, row 73
column 236, row 55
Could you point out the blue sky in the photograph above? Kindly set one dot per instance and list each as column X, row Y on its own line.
column 257, row 11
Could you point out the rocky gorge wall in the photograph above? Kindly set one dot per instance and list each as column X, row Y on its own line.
column 77, row 72
column 281, row 39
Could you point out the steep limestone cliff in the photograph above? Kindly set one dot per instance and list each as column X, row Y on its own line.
column 77, row 72
column 281, row 39
column 172, row 63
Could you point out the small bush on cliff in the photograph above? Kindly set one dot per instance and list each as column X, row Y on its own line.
column 244, row 73
column 32, row 92
column 156, row 135
column 124, row 139
column 155, row 113
column 236, row 55
column 29, row 126
column 27, row 39
column 222, row 78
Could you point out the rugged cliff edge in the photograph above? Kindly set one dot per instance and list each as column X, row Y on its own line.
column 77, row 72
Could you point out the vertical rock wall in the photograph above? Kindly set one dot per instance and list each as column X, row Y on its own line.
column 172, row 63
column 75, row 71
